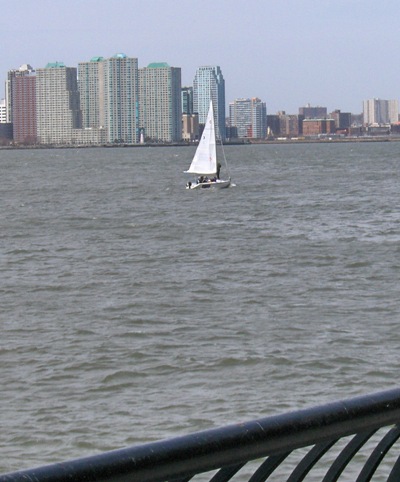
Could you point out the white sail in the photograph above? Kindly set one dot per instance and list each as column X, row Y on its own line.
column 205, row 158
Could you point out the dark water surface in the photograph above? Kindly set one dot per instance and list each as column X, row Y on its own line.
column 134, row 310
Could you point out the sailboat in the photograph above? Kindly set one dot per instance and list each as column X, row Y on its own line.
column 205, row 162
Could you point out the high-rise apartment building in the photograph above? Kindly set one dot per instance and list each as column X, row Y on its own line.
column 57, row 103
column 379, row 112
column 249, row 117
column 187, row 100
column 121, row 99
column 91, row 92
column 23, row 104
column 8, row 90
column 3, row 111
column 160, row 102
column 190, row 119
column 109, row 98
column 209, row 84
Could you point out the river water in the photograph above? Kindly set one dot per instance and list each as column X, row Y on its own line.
column 134, row 310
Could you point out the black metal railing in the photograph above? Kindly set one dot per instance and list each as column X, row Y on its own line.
column 353, row 438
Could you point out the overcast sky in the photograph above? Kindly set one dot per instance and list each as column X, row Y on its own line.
column 332, row 53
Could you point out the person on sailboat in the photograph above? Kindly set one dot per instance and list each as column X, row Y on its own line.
column 218, row 169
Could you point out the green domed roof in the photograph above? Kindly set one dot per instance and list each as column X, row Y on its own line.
column 157, row 65
column 55, row 65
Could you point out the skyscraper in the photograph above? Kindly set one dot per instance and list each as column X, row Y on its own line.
column 23, row 104
column 121, row 108
column 57, row 103
column 160, row 102
column 187, row 100
column 379, row 111
column 209, row 84
column 3, row 111
column 109, row 98
column 91, row 91
column 249, row 116
column 8, row 99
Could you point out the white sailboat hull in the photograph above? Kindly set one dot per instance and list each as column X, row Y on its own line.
column 218, row 184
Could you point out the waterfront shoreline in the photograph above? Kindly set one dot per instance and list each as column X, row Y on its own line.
column 234, row 143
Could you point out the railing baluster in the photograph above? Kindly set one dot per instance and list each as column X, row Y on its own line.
column 268, row 467
column 308, row 462
column 394, row 475
column 346, row 455
column 377, row 455
column 225, row 474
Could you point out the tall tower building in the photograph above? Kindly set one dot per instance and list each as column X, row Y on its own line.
column 209, row 84
column 379, row 111
column 8, row 90
column 91, row 91
column 3, row 111
column 23, row 95
column 57, row 103
column 393, row 111
column 249, row 117
column 187, row 100
column 259, row 118
column 160, row 102
column 119, row 80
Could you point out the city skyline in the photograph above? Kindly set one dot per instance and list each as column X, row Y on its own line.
column 329, row 53
column 112, row 100
column 297, row 110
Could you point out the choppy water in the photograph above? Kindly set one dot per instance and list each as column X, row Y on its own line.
column 134, row 310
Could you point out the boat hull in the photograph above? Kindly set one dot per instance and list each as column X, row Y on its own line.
column 218, row 184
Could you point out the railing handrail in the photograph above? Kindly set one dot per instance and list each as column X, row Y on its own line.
column 222, row 447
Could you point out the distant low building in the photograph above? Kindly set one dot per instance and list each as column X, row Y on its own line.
column 342, row 119
column 289, row 125
column 395, row 129
column 273, row 127
column 89, row 136
column 6, row 133
column 378, row 130
column 190, row 127
column 318, row 127
column 309, row 112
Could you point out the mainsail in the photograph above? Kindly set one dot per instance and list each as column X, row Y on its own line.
column 205, row 158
